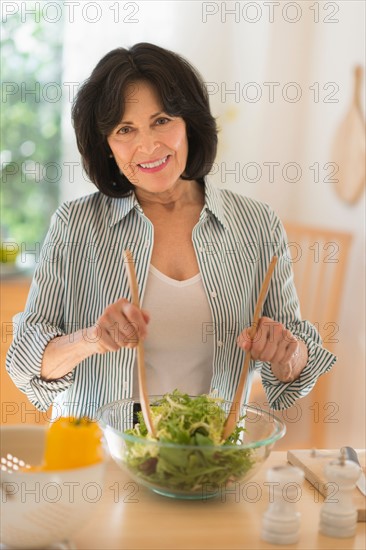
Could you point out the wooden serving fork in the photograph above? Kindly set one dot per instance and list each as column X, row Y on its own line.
column 234, row 413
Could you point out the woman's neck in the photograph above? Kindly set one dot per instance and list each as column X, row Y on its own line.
column 182, row 194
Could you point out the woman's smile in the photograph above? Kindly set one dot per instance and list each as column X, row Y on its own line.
column 154, row 166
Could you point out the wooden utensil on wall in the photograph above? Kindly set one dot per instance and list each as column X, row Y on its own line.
column 349, row 148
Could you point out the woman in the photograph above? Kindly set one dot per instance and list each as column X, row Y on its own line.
column 148, row 140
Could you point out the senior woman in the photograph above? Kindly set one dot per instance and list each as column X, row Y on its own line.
column 148, row 141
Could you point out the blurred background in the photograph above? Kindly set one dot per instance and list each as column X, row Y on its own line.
column 281, row 78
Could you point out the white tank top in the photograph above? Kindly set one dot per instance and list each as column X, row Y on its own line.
column 175, row 354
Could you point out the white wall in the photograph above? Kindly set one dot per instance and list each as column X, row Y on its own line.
column 231, row 52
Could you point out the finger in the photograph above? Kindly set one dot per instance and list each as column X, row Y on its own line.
column 292, row 353
column 286, row 346
column 122, row 331
column 282, row 372
column 116, row 330
column 268, row 352
column 107, row 340
column 130, row 334
column 261, row 339
column 292, row 349
column 146, row 315
column 244, row 341
column 135, row 316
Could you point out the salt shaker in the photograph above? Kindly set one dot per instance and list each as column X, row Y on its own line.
column 281, row 521
column 338, row 516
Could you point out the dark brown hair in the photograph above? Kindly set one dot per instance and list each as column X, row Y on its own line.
column 99, row 107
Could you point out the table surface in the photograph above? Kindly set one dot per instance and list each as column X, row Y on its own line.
column 129, row 516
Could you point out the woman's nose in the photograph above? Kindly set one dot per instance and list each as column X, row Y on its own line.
column 147, row 142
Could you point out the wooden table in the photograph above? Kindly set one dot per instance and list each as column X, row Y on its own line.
column 129, row 516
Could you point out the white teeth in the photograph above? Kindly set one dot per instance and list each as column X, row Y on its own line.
column 154, row 164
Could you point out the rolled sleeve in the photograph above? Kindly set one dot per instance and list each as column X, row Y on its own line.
column 42, row 393
column 24, row 362
column 280, row 395
column 41, row 321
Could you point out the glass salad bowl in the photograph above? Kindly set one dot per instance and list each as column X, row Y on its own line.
column 188, row 459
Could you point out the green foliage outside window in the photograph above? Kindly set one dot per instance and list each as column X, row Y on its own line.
column 30, row 127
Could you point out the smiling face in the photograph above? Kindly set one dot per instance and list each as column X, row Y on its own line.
column 149, row 146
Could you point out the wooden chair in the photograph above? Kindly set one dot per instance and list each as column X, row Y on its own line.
column 319, row 260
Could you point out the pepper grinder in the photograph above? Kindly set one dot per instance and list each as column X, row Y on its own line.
column 281, row 521
column 338, row 516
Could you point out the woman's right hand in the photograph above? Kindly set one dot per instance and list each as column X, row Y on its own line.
column 122, row 324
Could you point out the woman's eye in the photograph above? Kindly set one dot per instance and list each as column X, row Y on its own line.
column 162, row 120
column 124, row 130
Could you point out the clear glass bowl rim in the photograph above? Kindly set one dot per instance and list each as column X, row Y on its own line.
column 279, row 429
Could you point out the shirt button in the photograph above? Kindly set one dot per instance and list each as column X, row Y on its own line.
column 213, row 294
column 147, row 244
column 220, row 343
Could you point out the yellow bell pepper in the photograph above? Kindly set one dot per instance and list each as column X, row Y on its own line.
column 71, row 443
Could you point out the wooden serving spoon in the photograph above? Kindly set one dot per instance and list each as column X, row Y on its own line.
column 234, row 413
column 349, row 147
column 144, row 399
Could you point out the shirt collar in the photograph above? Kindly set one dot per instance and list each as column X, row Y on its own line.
column 213, row 203
column 120, row 207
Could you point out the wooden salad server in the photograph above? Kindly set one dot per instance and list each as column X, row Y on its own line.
column 234, row 413
column 144, row 398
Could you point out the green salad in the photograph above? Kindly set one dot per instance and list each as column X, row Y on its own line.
column 197, row 422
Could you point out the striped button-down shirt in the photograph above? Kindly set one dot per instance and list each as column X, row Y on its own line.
column 81, row 272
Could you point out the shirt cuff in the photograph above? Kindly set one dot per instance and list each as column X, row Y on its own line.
column 281, row 395
column 25, row 364
column 41, row 393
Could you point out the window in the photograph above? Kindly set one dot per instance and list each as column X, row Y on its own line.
column 30, row 129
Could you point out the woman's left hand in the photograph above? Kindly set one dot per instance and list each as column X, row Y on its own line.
column 275, row 344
